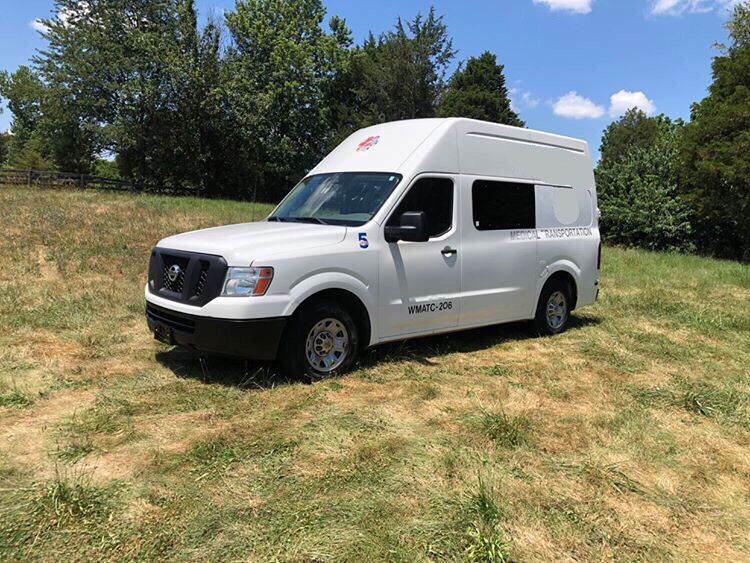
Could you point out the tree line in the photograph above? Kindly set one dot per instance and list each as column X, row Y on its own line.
column 240, row 107
column 244, row 105
column 669, row 185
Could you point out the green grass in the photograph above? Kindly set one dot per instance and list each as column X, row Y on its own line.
column 15, row 398
column 625, row 438
column 501, row 429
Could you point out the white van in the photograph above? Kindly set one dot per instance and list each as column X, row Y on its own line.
column 406, row 229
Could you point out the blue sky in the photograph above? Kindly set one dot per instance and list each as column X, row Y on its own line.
column 572, row 65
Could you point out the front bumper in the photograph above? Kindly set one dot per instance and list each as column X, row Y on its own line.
column 252, row 339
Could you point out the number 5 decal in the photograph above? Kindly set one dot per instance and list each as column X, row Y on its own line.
column 363, row 240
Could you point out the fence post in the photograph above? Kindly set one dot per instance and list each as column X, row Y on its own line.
column 28, row 179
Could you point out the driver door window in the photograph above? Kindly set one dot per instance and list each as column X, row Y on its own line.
column 434, row 196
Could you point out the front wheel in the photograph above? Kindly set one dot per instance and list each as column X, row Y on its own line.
column 553, row 309
column 321, row 342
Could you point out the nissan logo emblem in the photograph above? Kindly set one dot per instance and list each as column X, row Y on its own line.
column 174, row 272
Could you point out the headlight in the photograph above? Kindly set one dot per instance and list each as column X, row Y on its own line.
column 243, row 282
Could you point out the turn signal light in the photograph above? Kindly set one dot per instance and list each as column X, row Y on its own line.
column 265, row 276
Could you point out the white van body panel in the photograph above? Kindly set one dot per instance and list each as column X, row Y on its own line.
column 426, row 144
column 241, row 244
column 494, row 276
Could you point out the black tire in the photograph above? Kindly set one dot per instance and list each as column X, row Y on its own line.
column 555, row 297
column 328, row 320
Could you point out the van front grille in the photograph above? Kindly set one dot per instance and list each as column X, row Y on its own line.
column 187, row 277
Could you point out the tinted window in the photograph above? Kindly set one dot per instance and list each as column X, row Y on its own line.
column 503, row 205
column 434, row 196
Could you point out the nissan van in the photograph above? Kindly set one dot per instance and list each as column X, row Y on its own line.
column 406, row 229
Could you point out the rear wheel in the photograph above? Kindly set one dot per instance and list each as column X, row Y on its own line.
column 553, row 309
column 321, row 342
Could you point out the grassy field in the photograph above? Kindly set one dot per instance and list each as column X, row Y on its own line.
column 626, row 438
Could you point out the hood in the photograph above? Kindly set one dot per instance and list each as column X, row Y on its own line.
column 241, row 244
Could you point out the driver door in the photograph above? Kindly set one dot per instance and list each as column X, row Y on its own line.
column 419, row 281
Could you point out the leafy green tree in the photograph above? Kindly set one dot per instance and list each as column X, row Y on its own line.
column 219, row 168
column 638, row 195
column 121, row 70
column 716, row 149
column 4, row 142
column 67, row 143
column 204, row 140
column 280, row 72
column 478, row 91
column 24, row 91
column 4, row 138
column 33, row 155
column 106, row 169
column 401, row 73
column 340, row 97
column 634, row 130
column 46, row 132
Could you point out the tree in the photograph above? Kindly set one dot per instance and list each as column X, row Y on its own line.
column 716, row 149
column 217, row 168
column 46, row 132
column 280, row 71
column 4, row 142
column 121, row 70
column 339, row 92
column 106, row 169
column 32, row 155
column 200, row 156
column 4, row 137
column 478, row 91
column 638, row 195
column 401, row 73
column 68, row 144
column 634, row 130
column 24, row 91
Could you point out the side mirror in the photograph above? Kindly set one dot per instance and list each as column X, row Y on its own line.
column 412, row 227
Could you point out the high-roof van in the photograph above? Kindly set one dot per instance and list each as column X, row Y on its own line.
column 406, row 229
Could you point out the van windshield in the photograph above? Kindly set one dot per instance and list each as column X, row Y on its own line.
column 343, row 198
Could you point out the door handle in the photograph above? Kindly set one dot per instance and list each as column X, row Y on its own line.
column 449, row 251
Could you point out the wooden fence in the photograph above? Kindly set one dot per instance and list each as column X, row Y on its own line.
column 50, row 179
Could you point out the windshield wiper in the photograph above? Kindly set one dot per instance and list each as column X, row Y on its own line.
column 298, row 220
column 308, row 220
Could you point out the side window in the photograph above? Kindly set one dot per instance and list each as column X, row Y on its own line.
column 434, row 196
column 503, row 205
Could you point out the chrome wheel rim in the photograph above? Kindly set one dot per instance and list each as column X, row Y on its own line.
column 327, row 345
column 557, row 310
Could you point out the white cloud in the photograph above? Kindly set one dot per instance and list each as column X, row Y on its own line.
column 623, row 100
column 38, row 25
column 529, row 100
column 573, row 6
column 665, row 6
column 63, row 16
column 574, row 106
column 521, row 99
column 677, row 7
